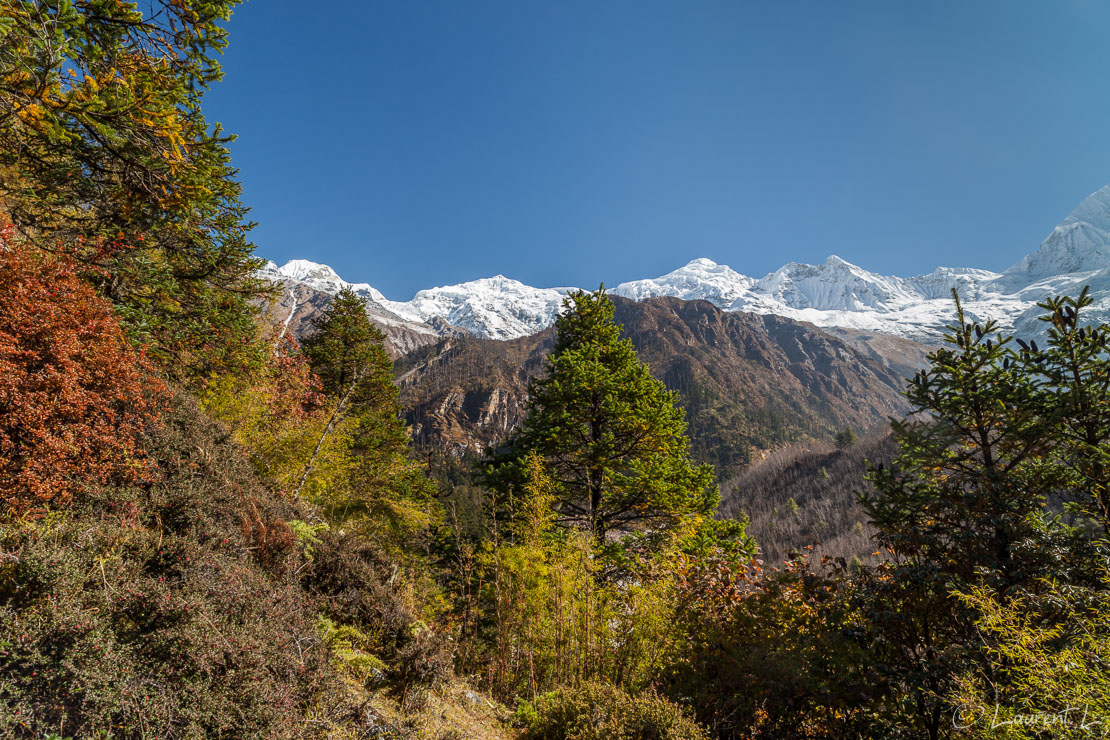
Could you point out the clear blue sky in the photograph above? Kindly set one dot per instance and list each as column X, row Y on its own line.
column 417, row 143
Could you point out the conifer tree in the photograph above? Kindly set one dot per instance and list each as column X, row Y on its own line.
column 344, row 347
column 612, row 437
column 102, row 139
column 845, row 438
column 963, row 506
column 1074, row 371
column 384, row 485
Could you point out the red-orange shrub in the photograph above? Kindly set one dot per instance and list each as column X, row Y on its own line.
column 74, row 395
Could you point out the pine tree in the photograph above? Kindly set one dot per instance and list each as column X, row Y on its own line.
column 962, row 507
column 845, row 438
column 385, row 487
column 102, row 139
column 612, row 437
column 1074, row 371
column 344, row 347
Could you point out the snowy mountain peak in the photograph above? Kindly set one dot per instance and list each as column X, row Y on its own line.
column 307, row 270
column 699, row 279
column 833, row 293
column 497, row 307
column 702, row 262
column 1080, row 243
column 1094, row 209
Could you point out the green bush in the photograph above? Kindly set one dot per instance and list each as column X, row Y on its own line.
column 597, row 711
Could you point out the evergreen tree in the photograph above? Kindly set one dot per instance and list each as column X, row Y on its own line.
column 105, row 154
column 1074, row 371
column 612, row 437
column 963, row 506
column 845, row 438
column 384, row 484
column 344, row 348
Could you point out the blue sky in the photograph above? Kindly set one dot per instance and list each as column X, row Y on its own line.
column 419, row 143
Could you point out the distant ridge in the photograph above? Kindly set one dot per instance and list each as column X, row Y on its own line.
column 835, row 293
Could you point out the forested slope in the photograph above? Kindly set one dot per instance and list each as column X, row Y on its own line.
column 748, row 383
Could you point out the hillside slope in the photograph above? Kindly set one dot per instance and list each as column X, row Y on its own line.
column 748, row 382
column 805, row 494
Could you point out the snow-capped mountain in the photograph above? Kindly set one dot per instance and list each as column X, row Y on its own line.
column 496, row 307
column 835, row 293
column 701, row 279
column 322, row 278
column 838, row 293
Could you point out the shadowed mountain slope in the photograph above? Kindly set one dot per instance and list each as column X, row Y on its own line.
column 748, row 382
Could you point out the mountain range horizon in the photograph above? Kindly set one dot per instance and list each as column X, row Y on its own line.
column 835, row 293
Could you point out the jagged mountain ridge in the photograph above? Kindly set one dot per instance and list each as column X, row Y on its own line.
column 835, row 293
column 496, row 307
column 748, row 382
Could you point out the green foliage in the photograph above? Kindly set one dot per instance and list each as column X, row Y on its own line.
column 381, row 487
column 1046, row 674
column 768, row 654
column 537, row 616
column 845, row 438
column 965, row 505
column 349, row 645
column 307, row 535
column 274, row 410
column 596, row 711
column 345, row 349
column 611, row 436
column 539, row 593
column 969, row 486
column 1074, row 371
column 104, row 149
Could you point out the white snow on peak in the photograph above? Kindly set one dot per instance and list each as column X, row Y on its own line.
column 834, row 293
column 835, row 285
column 1080, row 243
column 700, row 279
column 497, row 307
column 323, row 278
column 303, row 270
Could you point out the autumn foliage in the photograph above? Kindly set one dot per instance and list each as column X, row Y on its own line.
column 75, row 397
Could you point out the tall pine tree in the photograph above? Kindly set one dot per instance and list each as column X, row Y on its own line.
column 963, row 508
column 612, row 438
column 385, row 487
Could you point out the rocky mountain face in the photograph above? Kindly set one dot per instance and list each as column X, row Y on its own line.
column 758, row 363
column 748, row 382
column 835, row 294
